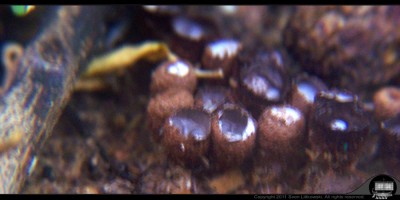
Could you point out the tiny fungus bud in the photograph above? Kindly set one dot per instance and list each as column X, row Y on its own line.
column 11, row 55
column 185, row 136
column 233, row 136
column 387, row 103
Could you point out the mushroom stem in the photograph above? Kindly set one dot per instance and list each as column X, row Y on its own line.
column 209, row 74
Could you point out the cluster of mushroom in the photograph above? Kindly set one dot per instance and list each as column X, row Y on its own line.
column 256, row 110
column 239, row 107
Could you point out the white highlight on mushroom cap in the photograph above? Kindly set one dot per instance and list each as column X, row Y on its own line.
column 261, row 87
column 338, row 125
column 229, row 9
column 151, row 8
column 224, row 48
column 233, row 136
column 343, row 97
column 187, row 28
column 287, row 114
column 178, row 68
column 340, row 96
column 308, row 91
column 236, row 131
column 249, row 130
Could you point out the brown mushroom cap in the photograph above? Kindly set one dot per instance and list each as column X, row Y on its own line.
column 165, row 104
column 185, row 136
column 233, row 136
column 221, row 54
column 281, row 133
column 338, row 128
column 173, row 74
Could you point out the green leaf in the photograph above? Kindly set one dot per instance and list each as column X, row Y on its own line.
column 21, row 10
